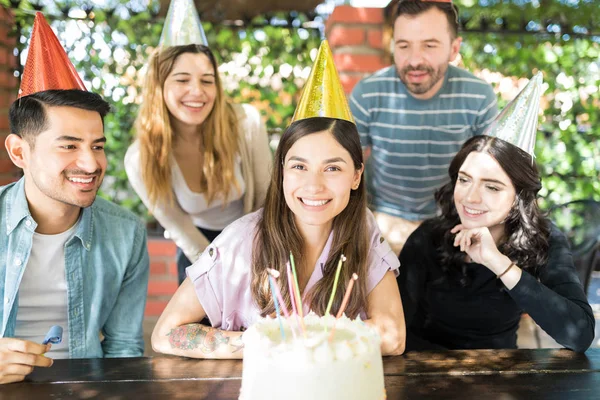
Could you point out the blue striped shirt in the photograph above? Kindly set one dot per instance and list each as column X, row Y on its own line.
column 413, row 141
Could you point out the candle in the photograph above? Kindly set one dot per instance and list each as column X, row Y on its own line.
column 276, row 306
column 298, row 295
column 275, row 274
column 291, row 287
column 297, row 291
column 347, row 296
column 344, row 304
column 335, row 282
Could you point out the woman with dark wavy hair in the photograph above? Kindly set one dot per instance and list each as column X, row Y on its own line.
column 468, row 275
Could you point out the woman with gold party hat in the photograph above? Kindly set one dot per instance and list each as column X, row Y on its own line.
column 468, row 275
column 316, row 210
column 199, row 161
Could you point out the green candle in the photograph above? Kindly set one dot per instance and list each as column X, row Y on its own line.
column 335, row 282
column 298, row 296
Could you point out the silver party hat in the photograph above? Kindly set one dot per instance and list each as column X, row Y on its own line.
column 518, row 121
column 182, row 25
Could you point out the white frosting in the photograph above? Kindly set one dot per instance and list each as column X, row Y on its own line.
column 310, row 366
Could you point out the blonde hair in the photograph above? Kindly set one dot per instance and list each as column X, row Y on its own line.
column 219, row 133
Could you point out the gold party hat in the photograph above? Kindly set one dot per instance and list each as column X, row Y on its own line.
column 518, row 121
column 323, row 95
column 182, row 25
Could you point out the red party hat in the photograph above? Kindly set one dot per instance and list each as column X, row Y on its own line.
column 47, row 66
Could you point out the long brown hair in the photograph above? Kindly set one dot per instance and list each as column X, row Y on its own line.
column 277, row 233
column 526, row 230
column 219, row 132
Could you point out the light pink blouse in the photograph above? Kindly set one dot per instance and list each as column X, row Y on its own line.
column 222, row 274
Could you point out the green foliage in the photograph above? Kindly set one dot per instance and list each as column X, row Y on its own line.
column 517, row 14
column 568, row 142
column 267, row 65
column 263, row 66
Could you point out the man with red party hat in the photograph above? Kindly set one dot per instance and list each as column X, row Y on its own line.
column 68, row 258
column 415, row 115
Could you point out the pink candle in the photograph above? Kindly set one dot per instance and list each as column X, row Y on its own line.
column 346, row 296
column 344, row 304
column 293, row 294
column 275, row 274
column 291, row 286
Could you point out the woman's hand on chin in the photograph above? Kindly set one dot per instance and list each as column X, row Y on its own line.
column 478, row 244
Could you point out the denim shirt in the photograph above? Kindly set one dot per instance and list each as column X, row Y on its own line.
column 106, row 269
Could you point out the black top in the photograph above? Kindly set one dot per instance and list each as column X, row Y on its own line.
column 442, row 313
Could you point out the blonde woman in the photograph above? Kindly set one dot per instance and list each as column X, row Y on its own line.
column 198, row 162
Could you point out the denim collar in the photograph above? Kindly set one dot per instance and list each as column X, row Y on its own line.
column 17, row 210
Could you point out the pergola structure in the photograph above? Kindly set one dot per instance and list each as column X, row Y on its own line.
column 244, row 10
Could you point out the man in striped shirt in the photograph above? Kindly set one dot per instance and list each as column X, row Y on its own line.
column 414, row 116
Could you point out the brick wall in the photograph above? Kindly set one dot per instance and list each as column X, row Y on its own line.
column 163, row 275
column 8, row 90
column 356, row 37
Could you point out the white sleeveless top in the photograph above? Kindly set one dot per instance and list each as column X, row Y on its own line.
column 211, row 216
column 256, row 162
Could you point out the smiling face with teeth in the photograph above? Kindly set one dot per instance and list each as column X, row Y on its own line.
column 484, row 194
column 318, row 177
column 65, row 164
column 190, row 90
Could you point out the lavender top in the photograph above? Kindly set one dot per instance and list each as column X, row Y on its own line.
column 222, row 274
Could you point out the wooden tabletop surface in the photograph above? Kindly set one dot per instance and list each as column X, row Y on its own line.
column 471, row 374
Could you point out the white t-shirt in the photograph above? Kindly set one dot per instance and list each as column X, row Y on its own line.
column 211, row 216
column 43, row 292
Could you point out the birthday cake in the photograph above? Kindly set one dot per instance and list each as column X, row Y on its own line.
column 311, row 363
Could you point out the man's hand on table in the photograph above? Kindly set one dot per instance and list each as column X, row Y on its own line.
column 18, row 358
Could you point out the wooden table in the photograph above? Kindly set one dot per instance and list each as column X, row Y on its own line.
column 476, row 374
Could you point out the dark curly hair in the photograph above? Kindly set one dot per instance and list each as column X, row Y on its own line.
column 527, row 230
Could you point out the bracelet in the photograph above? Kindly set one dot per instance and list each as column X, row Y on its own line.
column 512, row 264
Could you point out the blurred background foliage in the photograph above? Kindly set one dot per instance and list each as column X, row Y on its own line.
column 562, row 39
column 267, row 60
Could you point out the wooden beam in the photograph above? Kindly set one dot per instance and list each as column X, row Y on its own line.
column 219, row 10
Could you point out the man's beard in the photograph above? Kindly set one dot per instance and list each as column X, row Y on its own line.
column 52, row 189
column 423, row 87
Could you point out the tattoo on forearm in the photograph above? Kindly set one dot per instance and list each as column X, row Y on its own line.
column 207, row 339
column 237, row 344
